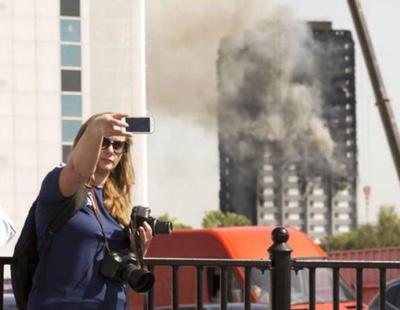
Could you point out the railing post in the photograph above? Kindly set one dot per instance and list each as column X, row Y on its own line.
column 279, row 254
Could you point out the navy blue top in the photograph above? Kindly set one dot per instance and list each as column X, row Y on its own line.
column 73, row 279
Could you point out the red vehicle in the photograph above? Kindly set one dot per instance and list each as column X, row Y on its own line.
column 370, row 276
column 237, row 243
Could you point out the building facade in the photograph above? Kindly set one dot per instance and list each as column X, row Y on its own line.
column 272, row 191
column 60, row 62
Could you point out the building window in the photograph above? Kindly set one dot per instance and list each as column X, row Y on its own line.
column 319, row 229
column 267, row 155
column 70, row 80
column 267, row 167
column 268, row 216
column 70, row 8
column 318, row 216
column 292, row 191
column 71, row 105
column 343, row 229
column 268, row 179
column 70, row 129
column 349, row 142
column 318, row 204
column 292, row 204
column 71, row 55
column 65, row 152
column 293, row 216
column 268, row 191
column 318, row 191
column 343, row 216
column 343, row 204
column 268, row 204
column 70, row 30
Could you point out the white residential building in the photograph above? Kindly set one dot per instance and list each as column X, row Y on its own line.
column 60, row 62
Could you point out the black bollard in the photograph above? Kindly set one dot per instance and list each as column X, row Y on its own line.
column 279, row 254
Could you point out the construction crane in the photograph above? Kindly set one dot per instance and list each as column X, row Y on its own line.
column 382, row 99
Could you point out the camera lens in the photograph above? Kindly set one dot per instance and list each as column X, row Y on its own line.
column 140, row 280
column 162, row 227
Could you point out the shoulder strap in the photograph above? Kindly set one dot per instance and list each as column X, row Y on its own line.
column 68, row 211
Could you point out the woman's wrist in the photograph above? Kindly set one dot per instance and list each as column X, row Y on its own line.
column 94, row 131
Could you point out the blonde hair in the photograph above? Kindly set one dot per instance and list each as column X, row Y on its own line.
column 117, row 189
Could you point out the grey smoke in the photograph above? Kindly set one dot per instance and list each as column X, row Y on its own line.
column 270, row 92
column 182, row 44
column 182, row 48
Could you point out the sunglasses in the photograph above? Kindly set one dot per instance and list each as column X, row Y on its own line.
column 118, row 146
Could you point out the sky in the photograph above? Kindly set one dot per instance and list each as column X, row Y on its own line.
column 182, row 50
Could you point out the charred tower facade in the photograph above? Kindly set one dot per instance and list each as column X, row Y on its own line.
column 274, row 183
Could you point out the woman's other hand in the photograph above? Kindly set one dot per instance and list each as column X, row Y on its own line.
column 109, row 125
column 146, row 234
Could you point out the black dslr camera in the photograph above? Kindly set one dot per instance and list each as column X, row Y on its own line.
column 124, row 266
column 140, row 214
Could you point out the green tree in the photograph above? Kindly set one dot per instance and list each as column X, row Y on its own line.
column 388, row 227
column 176, row 225
column 385, row 233
column 224, row 219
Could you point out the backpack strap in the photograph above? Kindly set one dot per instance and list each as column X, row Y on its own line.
column 68, row 211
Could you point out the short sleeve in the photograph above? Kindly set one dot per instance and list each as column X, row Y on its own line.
column 50, row 201
column 50, row 190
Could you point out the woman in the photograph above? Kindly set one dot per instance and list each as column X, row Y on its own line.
column 100, row 160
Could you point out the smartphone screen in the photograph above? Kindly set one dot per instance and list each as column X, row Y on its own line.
column 140, row 124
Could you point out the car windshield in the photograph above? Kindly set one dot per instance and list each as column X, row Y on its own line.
column 392, row 297
column 300, row 288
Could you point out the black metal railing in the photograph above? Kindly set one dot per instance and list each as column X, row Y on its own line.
column 222, row 264
column 280, row 267
column 3, row 262
column 358, row 266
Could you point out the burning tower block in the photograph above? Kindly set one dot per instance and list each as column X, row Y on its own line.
column 287, row 126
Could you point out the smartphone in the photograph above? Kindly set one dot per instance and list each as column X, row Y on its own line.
column 140, row 124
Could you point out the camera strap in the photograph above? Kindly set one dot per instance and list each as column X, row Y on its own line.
column 96, row 210
column 139, row 251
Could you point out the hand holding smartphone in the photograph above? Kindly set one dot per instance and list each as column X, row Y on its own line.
column 140, row 124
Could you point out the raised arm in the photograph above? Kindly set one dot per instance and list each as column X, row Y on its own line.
column 84, row 155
